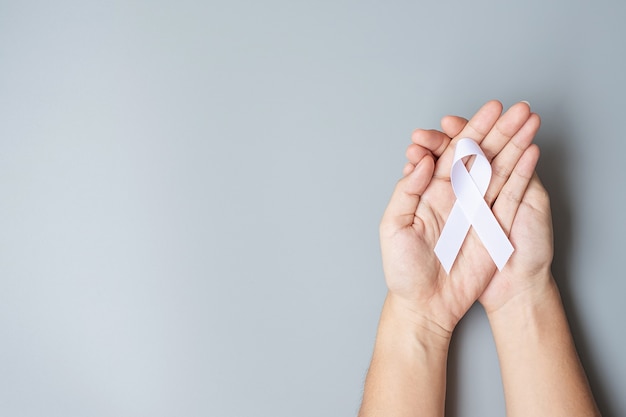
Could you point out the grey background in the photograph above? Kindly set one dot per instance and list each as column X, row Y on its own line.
column 190, row 193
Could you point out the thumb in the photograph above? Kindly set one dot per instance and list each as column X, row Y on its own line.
column 402, row 206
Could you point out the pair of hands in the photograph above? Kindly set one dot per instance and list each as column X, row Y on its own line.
column 423, row 199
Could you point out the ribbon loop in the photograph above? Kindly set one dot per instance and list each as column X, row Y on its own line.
column 470, row 209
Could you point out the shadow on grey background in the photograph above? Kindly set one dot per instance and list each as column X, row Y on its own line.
column 454, row 388
column 552, row 170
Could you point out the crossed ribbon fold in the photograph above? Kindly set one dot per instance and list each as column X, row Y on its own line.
column 470, row 209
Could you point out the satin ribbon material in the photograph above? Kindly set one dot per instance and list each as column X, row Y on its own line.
column 470, row 209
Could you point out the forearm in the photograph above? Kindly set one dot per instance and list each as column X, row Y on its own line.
column 541, row 371
column 407, row 375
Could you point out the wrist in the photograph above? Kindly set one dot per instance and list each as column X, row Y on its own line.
column 398, row 317
column 541, row 290
column 535, row 351
column 408, row 367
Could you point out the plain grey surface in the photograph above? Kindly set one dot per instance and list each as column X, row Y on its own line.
column 190, row 193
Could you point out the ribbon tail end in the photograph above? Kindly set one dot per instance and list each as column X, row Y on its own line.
column 503, row 258
column 445, row 257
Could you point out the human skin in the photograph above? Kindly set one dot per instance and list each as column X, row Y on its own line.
column 424, row 304
column 541, row 371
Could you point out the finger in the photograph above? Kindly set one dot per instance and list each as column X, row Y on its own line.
column 505, row 161
column 402, row 206
column 510, row 198
column 476, row 128
column 453, row 125
column 505, row 128
column 433, row 140
column 482, row 122
column 408, row 168
column 415, row 153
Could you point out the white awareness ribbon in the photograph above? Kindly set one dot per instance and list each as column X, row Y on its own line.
column 470, row 209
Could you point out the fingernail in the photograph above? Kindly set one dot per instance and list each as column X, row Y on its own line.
column 524, row 101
